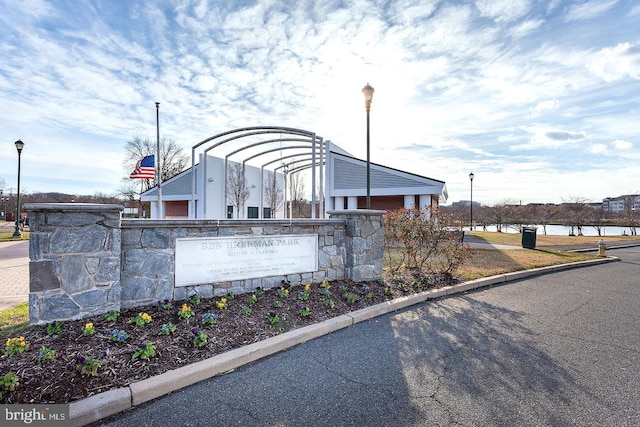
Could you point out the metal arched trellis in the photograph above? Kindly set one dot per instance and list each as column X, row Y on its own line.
column 264, row 146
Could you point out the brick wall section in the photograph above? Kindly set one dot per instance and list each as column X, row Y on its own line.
column 86, row 260
column 74, row 266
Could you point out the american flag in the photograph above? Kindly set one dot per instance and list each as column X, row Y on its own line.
column 145, row 168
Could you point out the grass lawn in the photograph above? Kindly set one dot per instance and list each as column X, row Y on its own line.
column 7, row 236
column 484, row 263
column 14, row 320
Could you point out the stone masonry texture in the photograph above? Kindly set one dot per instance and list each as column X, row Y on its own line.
column 86, row 260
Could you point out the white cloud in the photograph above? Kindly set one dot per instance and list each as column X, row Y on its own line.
column 621, row 145
column 598, row 149
column 616, row 63
column 526, row 27
column 548, row 105
column 503, row 10
column 589, row 9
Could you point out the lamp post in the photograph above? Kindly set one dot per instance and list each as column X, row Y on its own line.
column 471, row 175
column 368, row 96
column 16, row 233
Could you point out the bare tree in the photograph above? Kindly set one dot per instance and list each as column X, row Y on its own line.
column 296, row 194
column 499, row 214
column 575, row 213
column 238, row 190
column 273, row 194
column 172, row 157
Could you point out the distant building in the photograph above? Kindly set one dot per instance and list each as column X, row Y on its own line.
column 344, row 188
column 622, row 204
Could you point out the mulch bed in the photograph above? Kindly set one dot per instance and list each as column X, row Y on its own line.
column 59, row 380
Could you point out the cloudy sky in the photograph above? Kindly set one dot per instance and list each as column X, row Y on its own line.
column 540, row 99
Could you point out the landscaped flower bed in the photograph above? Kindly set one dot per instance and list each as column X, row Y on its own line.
column 63, row 362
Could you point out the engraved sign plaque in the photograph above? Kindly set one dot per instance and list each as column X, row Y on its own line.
column 203, row 260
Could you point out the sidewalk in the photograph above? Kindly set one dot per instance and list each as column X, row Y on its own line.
column 14, row 272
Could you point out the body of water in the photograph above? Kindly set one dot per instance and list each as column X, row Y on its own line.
column 562, row 230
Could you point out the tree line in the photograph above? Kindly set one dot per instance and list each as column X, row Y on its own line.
column 574, row 213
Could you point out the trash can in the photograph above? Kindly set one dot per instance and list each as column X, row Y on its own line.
column 529, row 237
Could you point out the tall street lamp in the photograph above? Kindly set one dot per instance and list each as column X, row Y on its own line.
column 471, row 175
column 16, row 233
column 368, row 96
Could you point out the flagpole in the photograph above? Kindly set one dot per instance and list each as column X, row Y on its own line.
column 158, row 163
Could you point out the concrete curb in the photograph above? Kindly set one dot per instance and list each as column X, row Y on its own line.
column 94, row 408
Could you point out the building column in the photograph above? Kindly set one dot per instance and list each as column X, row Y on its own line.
column 352, row 202
column 425, row 201
column 409, row 201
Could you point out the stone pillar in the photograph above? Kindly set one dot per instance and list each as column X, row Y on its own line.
column 364, row 243
column 74, row 260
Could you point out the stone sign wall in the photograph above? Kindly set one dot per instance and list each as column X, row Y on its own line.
column 86, row 260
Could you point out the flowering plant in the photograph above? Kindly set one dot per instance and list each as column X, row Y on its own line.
column 277, row 304
column 118, row 336
column 245, row 310
column 283, row 292
column 303, row 311
column 15, row 346
column 141, row 319
column 167, row 329
column 163, row 305
column 209, row 319
column 46, row 354
column 222, row 304
column 304, row 295
column 259, row 291
column 199, row 337
column 89, row 329
column 185, row 312
column 195, row 299
column 144, row 351
column 8, row 383
column 351, row 298
column 330, row 304
column 54, row 328
column 252, row 299
column 87, row 365
column 111, row 315
column 273, row 318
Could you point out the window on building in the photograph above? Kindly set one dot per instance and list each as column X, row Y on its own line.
column 252, row 212
column 229, row 212
column 266, row 212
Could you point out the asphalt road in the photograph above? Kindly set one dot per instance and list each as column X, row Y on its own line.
column 554, row 350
